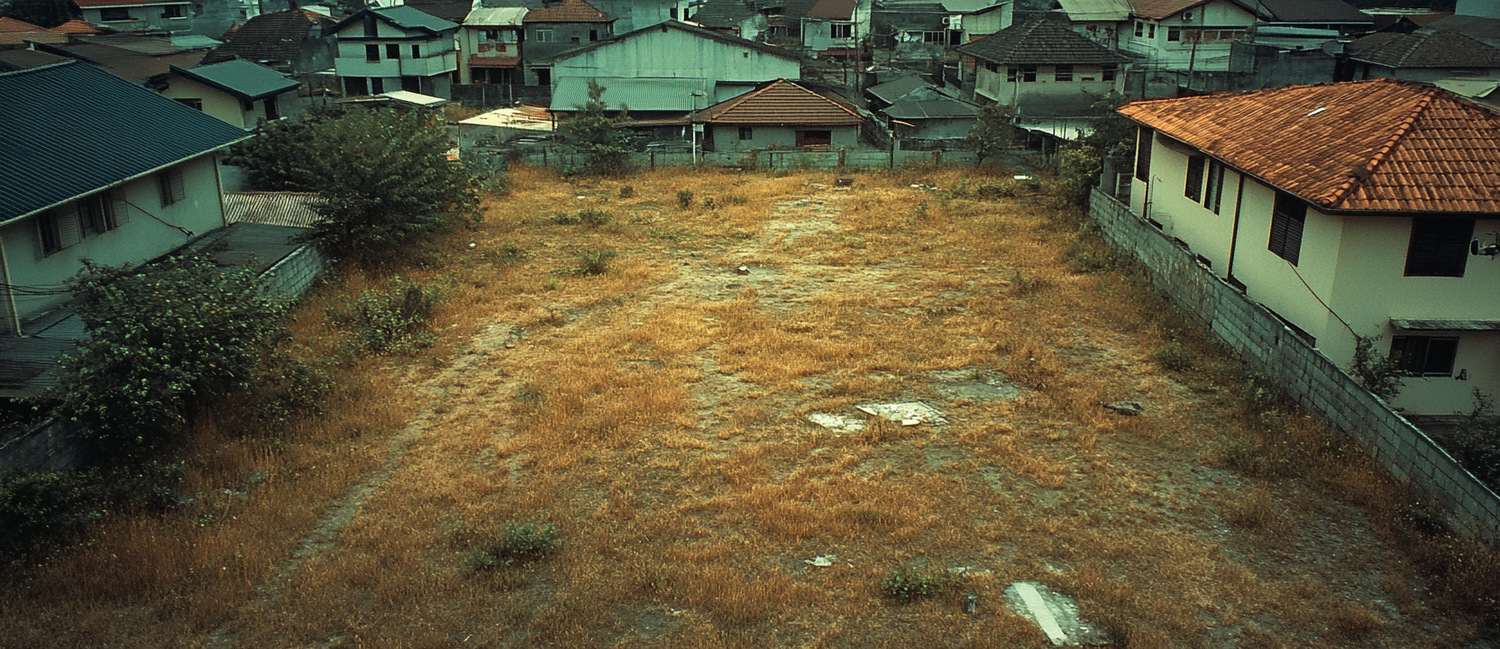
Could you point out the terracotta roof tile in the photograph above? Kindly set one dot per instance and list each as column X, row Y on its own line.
column 275, row 37
column 1367, row 146
column 567, row 11
column 781, row 102
column 1040, row 41
column 8, row 24
column 78, row 27
column 1427, row 50
column 1159, row 9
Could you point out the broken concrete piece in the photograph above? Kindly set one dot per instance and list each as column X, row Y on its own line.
column 844, row 182
column 821, row 562
column 742, row 270
column 910, row 413
column 836, row 423
column 1126, row 407
column 1054, row 613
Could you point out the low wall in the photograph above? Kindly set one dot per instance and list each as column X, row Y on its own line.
column 295, row 273
column 1305, row 374
column 760, row 158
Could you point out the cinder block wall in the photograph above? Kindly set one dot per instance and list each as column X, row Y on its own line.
column 1316, row 383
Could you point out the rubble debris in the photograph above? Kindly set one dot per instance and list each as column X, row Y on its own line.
column 1054, row 613
column 837, row 423
column 821, row 562
column 844, row 182
column 1130, row 408
column 742, row 270
column 909, row 413
column 930, row 188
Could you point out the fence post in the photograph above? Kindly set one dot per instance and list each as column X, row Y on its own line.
column 651, row 157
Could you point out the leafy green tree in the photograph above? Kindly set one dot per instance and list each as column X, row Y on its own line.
column 601, row 137
column 1111, row 137
column 42, row 13
column 992, row 132
column 383, row 175
column 164, row 341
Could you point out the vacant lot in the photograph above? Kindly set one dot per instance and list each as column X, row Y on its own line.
column 635, row 362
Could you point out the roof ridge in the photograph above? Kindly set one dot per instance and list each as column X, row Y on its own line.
column 823, row 97
column 1360, row 174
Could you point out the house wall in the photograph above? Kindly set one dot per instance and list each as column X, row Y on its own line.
column 561, row 37
column 692, row 57
column 984, row 23
column 1046, row 95
column 727, row 139
column 216, row 102
column 1106, row 33
column 817, row 33
column 1353, row 264
column 1426, row 75
column 147, row 18
column 438, row 57
column 940, row 129
column 471, row 40
column 138, row 238
column 631, row 15
column 1208, row 55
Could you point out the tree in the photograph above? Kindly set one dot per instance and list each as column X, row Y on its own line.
column 1111, row 137
column 42, row 13
column 163, row 341
column 601, row 138
column 992, row 132
column 384, row 177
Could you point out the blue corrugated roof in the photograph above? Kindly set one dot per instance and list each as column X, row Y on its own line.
column 71, row 129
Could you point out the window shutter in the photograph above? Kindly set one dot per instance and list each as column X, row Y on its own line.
column 1287, row 220
column 1143, row 154
column 1439, row 247
column 1193, row 188
column 68, row 231
column 119, row 209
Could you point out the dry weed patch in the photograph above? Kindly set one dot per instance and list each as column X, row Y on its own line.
column 654, row 413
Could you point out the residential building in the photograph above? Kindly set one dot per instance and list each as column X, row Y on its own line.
column 1423, row 56
column 1349, row 210
column 1103, row 21
column 705, row 67
column 289, row 41
column 556, row 28
column 732, row 17
column 1041, row 68
column 977, row 20
column 836, row 27
column 395, row 48
column 239, row 92
column 912, row 30
column 781, row 115
column 489, row 46
column 96, row 168
column 134, row 57
column 171, row 16
column 1187, row 35
column 929, row 119
column 631, row 15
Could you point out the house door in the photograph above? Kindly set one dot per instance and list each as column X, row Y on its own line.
column 814, row 138
column 356, row 87
column 411, row 84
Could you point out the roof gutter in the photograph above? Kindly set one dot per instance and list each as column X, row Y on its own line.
column 122, row 181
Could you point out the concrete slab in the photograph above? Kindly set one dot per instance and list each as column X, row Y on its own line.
column 1054, row 613
column 909, row 413
column 837, row 423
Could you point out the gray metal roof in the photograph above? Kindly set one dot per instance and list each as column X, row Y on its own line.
column 637, row 94
column 682, row 27
column 72, row 129
column 485, row 16
column 891, row 91
column 401, row 16
column 289, row 209
column 939, row 108
column 1096, row 10
column 243, row 79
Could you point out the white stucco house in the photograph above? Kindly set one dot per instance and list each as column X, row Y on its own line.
column 1186, row 35
column 1366, row 208
column 171, row 16
column 395, row 48
column 780, row 115
column 1041, row 68
column 239, row 92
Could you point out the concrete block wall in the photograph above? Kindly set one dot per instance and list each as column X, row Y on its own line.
column 767, row 159
column 1315, row 382
column 295, row 273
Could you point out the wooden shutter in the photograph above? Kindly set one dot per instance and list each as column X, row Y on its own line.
column 1439, row 247
column 1286, row 227
column 1193, row 188
column 1143, row 142
column 119, row 210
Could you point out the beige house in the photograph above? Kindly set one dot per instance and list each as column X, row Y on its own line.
column 239, row 92
column 1041, row 68
column 1363, row 209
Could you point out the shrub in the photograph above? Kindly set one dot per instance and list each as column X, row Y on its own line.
column 1476, row 442
column 517, row 542
column 684, row 198
column 909, row 583
column 44, row 510
column 1380, row 374
column 594, row 261
column 393, row 320
column 1173, row 357
column 591, row 217
column 627, row 191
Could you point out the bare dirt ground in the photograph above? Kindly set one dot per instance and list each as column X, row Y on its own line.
column 658, row 415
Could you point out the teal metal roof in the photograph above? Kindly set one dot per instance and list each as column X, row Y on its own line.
column 72, row 129
column 243, row 79
column 404, row 16
column 637, row 94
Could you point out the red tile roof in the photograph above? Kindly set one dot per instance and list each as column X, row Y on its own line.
column 833, row 10
column 1367, row 146
column 567, row 11
column 781, row 102
column 8, row 24
column 1159, row 9
column 78, row 27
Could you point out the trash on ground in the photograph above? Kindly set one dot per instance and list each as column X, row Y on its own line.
column 909, row 413
column 924, row 186
column 837, row 423
column 1126, row 407
column 1055, row 613
column 742, row 270
column 821, row 562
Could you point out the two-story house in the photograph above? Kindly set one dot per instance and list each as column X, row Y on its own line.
column 836, row 27
column 1041, row 68
column 558, row 27
column 239, row 92
column 489, row 46
column 1361, row 209
column 1187, row 35
column 289, row 41
column 100, row 168
column 395, row 48
column 173, row 16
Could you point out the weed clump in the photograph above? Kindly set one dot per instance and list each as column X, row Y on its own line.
column 394, row 320
column 1173, row 357
column 684, row 198
column 594, row 261
column 907, row 583
column 517, row 542
column 591, row 217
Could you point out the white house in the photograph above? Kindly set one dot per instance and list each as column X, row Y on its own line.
column 173, row 16
column 239, row 92
column 1100, row 20
column 395, row 48
column 783, row 115
column 1041, row 68
column 96, row 168
column 1186, row 35
column 836, row 27
column 489, row 46
column 1349, row 209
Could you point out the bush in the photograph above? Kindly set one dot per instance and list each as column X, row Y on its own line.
column 627, row 191
column 1380, row 374
column 1476, row 442
column 391, row 321
column 591, row 217
column 684, row 198
column 517, row 542
column 594, row 261
column 1173, row 357
column 908, row 583
column 41, row 511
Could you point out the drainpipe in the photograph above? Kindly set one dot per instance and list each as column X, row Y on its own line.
column 1234, row 228
column 14, row 319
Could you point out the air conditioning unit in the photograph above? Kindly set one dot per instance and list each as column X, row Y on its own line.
column 1186, row 16
column 955, row 22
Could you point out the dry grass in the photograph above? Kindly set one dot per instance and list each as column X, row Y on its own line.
column 654, row 414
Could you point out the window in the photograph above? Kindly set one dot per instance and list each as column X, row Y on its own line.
column 191, row 102
column 392, row 51
column 355, row 86
column 544, row 36
column 935, row 38
column 1151, row 31
column 1107, row 73
column 1062, row 73
column 746, row 133
column 489, row 35
column 273, row 112
column 1024, row 73
column 672, row 13
column 416, row 51
column 1193, row 188
column 377, row 85
column 992, row 67
column 1424, row 355
column 1143, row 141
column 1213, row 195
column 1140, row 29
column 593, row 35
column 58, row 229
column 814, row 138
column 1174, row 34
column 103, row 212
column 172, row 11
column 372, row 53
column 172, row 189
column 1287, row 219
column 544, row 77
column 841, row 30
column 1439, row 247
column 114, row 14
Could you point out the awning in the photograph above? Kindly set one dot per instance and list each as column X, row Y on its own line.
column 494, row 61
column 1401, row 324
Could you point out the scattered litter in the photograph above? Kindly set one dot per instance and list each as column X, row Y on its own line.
column 1021, row 177
column 925, row 186
column 578, row 197
column 472, row 244
column 971, row 603
column 821, row 562
column 742, row 270
column 1055, row 613
column 910, row 413
column 844, row 182
column 1126, row 407
column 837, row 423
